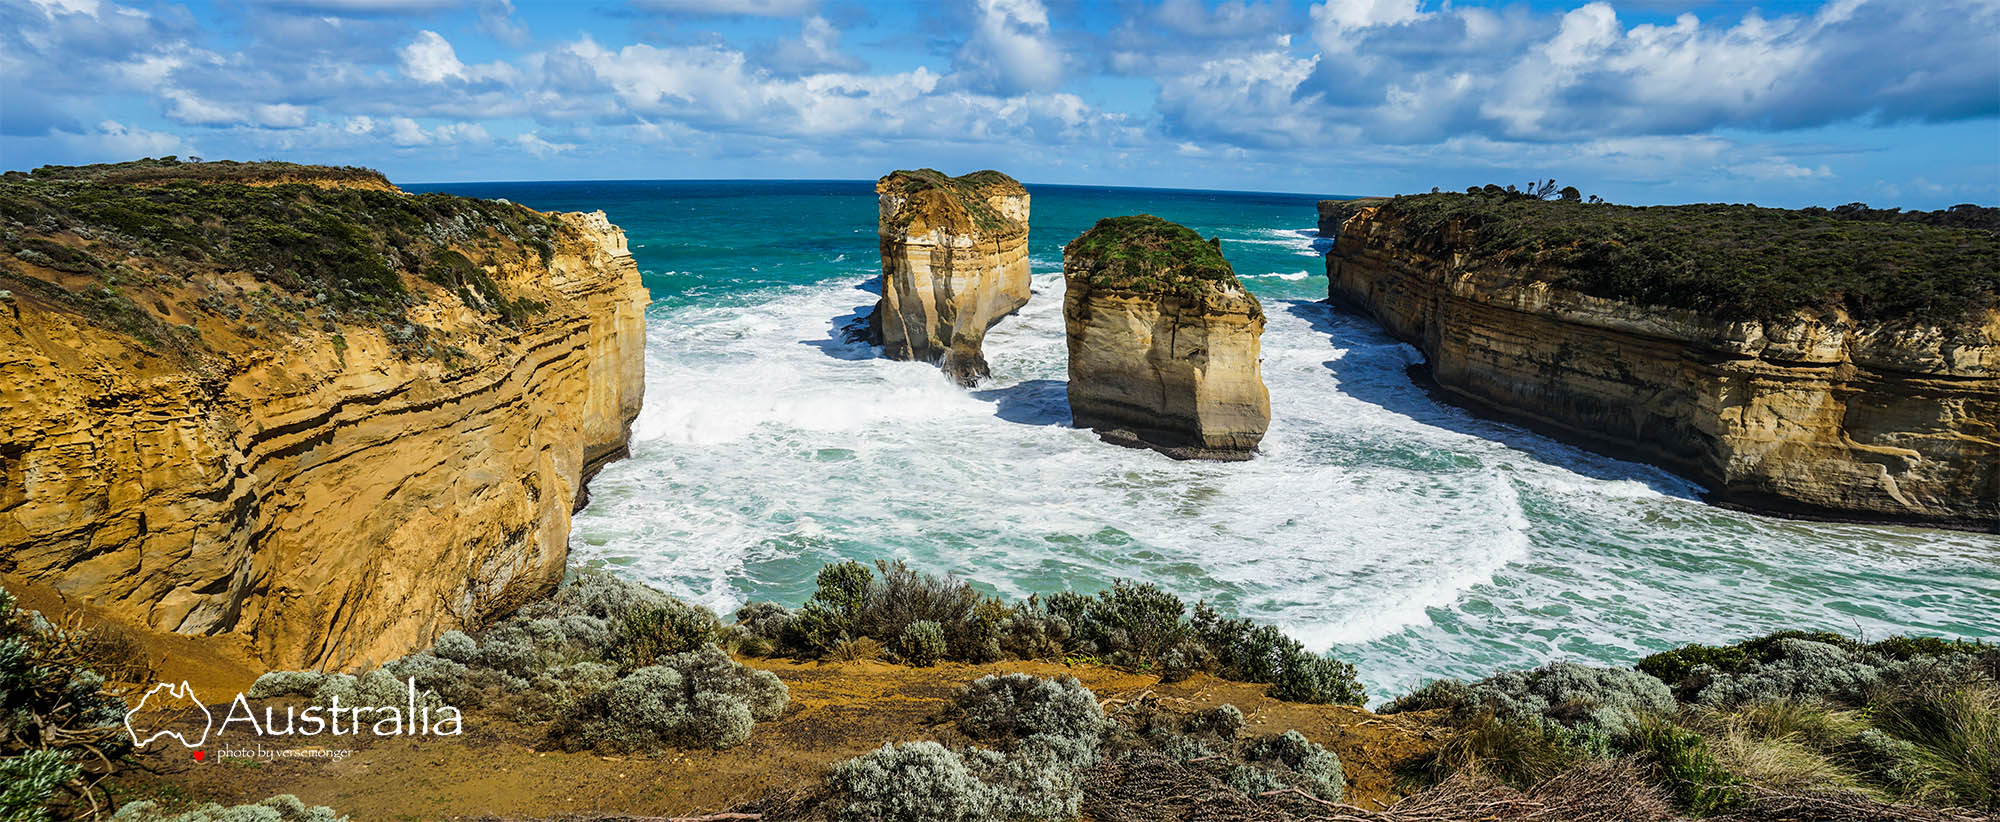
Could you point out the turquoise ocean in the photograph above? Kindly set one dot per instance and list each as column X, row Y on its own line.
column 1406, row 536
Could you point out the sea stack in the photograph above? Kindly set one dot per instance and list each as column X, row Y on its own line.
column 1162, row 341
column 954, row 261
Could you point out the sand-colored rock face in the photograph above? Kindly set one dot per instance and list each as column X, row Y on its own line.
column 320, row 493
column 1162, row 342
column 1820, row 415
column 954, row 261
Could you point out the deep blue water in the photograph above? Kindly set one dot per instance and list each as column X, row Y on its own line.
column 1408, row 537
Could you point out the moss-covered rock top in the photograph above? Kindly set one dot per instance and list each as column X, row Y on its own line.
column 153, row 171
column 1732, row 261
column 1148, row 255
column 965, row 197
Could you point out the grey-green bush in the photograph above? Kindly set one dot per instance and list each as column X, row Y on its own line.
column 696, row 699
column 280, row 808
column 1014, row 709
column 911, row 782
column 1294, row 761
column 1603, row 702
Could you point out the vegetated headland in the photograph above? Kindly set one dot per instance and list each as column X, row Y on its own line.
column 291, row 432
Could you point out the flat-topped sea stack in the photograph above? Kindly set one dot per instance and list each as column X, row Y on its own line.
column 954, row 261
column 1836, row 364
column 295, row 405
column 1162, row 341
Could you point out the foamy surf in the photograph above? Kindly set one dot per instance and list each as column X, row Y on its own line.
column 1411, row 538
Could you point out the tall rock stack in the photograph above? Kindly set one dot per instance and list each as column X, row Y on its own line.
column 954, row 261
column 1163, row 342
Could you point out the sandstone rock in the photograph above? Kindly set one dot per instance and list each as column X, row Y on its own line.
column 1815, row 414
column 1162, row 342
column 954, row 261
column 338, row 498
column 1333, row 213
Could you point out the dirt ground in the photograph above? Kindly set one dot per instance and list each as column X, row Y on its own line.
column 494, row 769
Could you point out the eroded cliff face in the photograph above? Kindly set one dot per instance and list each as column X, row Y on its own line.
column 336, row 489
column 1163, row 342
column 1817, row 414
column 954, row 262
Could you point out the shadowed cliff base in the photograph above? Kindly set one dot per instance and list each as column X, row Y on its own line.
column 1414, row 394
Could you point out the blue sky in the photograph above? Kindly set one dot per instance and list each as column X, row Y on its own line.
column 1788, row 102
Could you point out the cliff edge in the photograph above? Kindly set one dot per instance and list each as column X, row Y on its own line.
column 1163, row 341
column 1792, row 362
column 334, row 419
column 954, row 261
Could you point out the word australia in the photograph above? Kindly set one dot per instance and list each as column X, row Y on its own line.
column 416, row 717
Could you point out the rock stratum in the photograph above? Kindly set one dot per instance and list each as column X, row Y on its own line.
column 333, row 420
column 954, row 261
column 1163, row 342
column 1790, row 362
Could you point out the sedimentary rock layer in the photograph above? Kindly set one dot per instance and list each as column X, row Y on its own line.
column 954, row 261
column 1163, row 342
column 1813, row 413
column 336, row 486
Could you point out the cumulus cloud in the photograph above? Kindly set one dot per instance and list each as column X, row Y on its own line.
column 816, row 49
column 1012, row 49
column 1587, row 73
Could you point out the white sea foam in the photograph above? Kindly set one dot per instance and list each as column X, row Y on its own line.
column 1411, row 537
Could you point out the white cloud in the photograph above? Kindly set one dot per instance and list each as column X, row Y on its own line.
column 431, row 59
column 534, row 144
column 1012, row 49
column 817, row 48
column 406, row 132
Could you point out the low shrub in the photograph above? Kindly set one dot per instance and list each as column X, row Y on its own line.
column 700, row 698
column 1132, row 625
column 911, row 782
column 921, row 643
column 1520, row 753
column 280, row 808
column 1682, row 760
column 1019, row 709
column 1595, row 702
column 609, row 663
column 1292, row 761
column 643, row 633
column 61, row 729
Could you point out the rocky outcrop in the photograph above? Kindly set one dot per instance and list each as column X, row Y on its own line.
column 217, row 446
column 1813, row 413
column 954, row 261
column 1162, row 342
column 1332, row 213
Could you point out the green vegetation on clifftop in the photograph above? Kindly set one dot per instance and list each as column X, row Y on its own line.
column 337, row 248
column 1147, row 255
column 1732, row 261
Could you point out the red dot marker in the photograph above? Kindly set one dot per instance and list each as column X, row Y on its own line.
column 198, row 755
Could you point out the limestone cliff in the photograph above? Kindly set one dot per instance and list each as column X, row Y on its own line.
column 1332, row 213
column 1162, row 342
column 1775, row 398
column 954, row 261
column 333, row 420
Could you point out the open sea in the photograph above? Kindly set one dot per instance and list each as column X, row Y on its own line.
column 1410, row 538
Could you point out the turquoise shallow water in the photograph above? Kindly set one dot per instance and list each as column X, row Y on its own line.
column 1406, row 536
